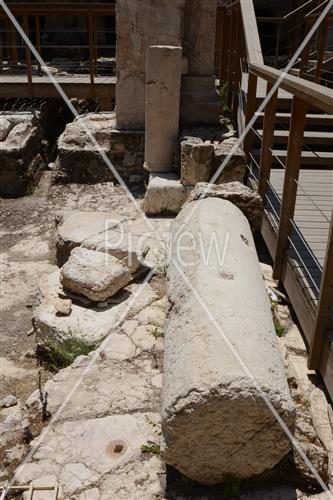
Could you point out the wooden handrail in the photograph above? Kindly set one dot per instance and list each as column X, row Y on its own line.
column 309, row 92
column 251, row 33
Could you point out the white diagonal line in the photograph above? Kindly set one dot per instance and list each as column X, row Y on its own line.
column 249, row 373
column 120, row 180
column 77, row 384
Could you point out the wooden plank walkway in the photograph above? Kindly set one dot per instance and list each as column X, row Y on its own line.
column 74, row 85
column 313, row 206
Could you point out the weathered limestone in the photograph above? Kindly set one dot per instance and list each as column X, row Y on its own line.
column 80, row 162
column 95, row 275
column 165, row 195
column 215, row 419
column 196, row 161
column 247, row 200
column 20, row 145
column 89, row 324
column 164, row 64
column 76, row 226
column 200, row 100
column 235, row 169
column 139, row 25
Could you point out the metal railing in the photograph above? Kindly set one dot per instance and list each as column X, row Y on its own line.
column 88, row 48
column 308, row 282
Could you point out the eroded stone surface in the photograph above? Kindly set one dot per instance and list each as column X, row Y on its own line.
column 80, row 161
column 95, row 275
column 162, row 106
column 247, row 200
column 196, row 161
column 165, row 195
column 215, row 419
column 235, row 160
column 20, row 146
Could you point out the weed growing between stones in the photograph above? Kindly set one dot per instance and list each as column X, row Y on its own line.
column 57, row 356
column 279, row 329
column 151, row 448
column 157, row 332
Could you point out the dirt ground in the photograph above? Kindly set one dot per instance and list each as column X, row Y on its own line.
column 26, row 252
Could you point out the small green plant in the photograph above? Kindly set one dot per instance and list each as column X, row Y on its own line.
column 58, row 356
column 232, row 486
column 163, row 264
column 151, row 447
column 307, row 404
column 224, row 99
column 157, row 332
column 279, row 329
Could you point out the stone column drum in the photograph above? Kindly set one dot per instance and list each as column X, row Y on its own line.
column 164, row 65
column 214, row 417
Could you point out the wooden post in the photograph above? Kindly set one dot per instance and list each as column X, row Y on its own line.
column 91, row 53
column 324, row 317
column 321, row 49
column 251, row 102
column 294, row 156
column 27, row 53
column 37, row 33
column 278, row 42
column 267, row 141
column 12, row 43
column 95, row 43
column 238, row 73
column 306, row 52
column 231, row 62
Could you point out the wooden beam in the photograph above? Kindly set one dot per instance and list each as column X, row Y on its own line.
column 251, row 33
column 311, row 93
column 295, row 146
column 324, row 318
column 267, row 141
column 251, row 101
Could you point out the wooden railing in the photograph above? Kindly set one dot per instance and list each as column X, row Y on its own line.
column 31, row 16
column 243, row 65
column 305, row 95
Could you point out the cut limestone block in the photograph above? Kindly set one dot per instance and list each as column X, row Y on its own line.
column 165, row 195
column 164, row 65
column 20, row 145
column 196, row 161
column 95, row 275
column 214, row 414
column 74, row 227
column 79, row 160
column 247, row 200
column 235, row 168
column 88, row 324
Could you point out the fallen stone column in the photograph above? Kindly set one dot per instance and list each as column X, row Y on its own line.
column 164, row 64
column 215, row 419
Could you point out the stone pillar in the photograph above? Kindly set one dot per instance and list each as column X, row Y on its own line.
column 164, row 65
column 141, row 24
column 200, row 100
column 214, row 417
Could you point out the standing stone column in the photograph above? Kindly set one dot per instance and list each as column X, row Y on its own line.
column 200, row 100
column 162, row 106
column 141, row 24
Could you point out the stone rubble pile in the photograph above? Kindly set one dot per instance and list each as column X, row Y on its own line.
column 20, row 145
column 200, row 157
column 101, row 259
